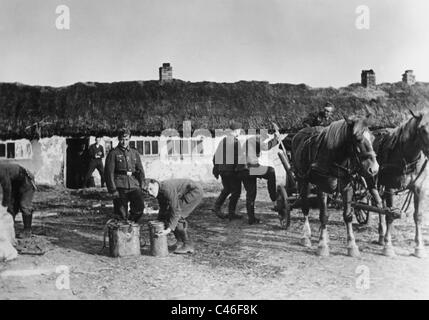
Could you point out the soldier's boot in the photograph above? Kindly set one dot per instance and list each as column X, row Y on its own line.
column 251, row 214
column 135, row 217
column 187, row 246
column 27, row 220
column 179, row 240
column 217, row 209
column 232, row 207
column 234, row 216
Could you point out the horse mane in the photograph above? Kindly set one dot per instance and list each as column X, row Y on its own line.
column 335, row 134
column 405, row 131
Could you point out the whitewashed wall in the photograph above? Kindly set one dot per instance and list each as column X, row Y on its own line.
column 46, row 161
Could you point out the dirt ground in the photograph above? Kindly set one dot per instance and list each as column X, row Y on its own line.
column 232, row 260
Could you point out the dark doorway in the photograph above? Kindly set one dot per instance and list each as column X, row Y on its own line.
column 77, row 162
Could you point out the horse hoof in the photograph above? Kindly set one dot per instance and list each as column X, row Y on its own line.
column 306, row 242
column 381, row 241
column 420, row 253
column 323, row 251
column 353, row 251
column 388, row 251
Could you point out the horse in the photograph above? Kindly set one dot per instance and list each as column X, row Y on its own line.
column 326, row 157
column 402, row 153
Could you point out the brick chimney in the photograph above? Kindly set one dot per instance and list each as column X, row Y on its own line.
column 368, row 78
column 165, row 73
column 408, row 77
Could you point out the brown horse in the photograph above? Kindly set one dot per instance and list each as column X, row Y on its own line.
column 326, row 157
column 402, row 154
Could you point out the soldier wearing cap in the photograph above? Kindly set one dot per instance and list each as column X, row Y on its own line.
column 320, row 118
column 124, row 176
column 227, row 165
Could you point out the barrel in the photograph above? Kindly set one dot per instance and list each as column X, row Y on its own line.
column 124, row 238
column 158, row 245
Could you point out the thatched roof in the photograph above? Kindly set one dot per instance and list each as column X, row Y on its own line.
column 148, row 107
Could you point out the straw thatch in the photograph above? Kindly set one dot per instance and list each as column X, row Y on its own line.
column 148, row 107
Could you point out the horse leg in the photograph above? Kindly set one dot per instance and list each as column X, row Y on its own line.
column 381, row 219
column 381, row 229
column 323, row 247
column 306, row 230
column 388, row 249
column 352, row 248
column 419, row 250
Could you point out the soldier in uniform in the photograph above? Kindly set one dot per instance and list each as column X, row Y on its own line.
column 96, row 155
column 226, row 164
column 177, row 199
column 320, row 118
column 124, row 176
column 254, row 146
column 18, row 190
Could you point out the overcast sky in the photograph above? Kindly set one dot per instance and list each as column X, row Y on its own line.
column 294, row 41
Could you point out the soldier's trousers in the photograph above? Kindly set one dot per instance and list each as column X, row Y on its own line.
column 93, row 165
column 250, row 185
column 136, row 200
column 231, row 183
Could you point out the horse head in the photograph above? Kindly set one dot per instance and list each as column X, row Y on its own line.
column 361, row 145
column 422, row 131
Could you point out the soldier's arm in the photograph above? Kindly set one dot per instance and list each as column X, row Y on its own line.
column 91, row 152
column 102, row 152
column 139, row 169
column 218, row 155
column 109, row 172
column 174, row 215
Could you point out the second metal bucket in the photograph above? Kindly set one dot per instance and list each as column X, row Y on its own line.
column 158, row 245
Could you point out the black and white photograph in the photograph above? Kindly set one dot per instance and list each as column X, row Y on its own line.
column 214, row 154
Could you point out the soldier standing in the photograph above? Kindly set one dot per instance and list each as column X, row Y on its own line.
column 18, row 191
column 177, row 199
column 96, row 155
column 124, row 176
column 226, row 163
column 254, row 146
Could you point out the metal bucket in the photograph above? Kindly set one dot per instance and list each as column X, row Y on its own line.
column 158, row 245
column 124, row 238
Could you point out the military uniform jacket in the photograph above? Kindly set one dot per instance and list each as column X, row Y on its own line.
column 170, row 194
column 229, row 156
column 123, row 169
column 96, row 151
